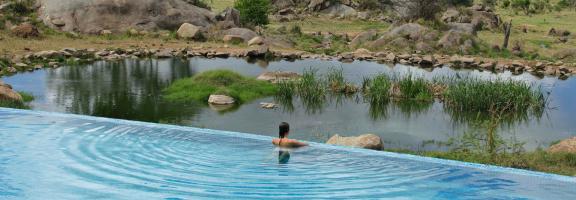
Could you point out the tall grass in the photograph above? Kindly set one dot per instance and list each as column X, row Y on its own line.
column 377, row 90
column 311, row 89
column 224, row 82
column 507, row 96
column 415, row 88
column 337, row 83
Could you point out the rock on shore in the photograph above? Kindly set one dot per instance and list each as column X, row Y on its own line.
column 564, row 146
column 366, row 141
column 94, row 16
column 220, row 100
column 7, row 94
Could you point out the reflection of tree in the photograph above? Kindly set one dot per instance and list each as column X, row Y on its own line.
column 127, row 89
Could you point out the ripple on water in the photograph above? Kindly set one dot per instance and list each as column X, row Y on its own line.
column 101, row 159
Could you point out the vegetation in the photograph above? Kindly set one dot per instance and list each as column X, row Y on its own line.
column 415, row 89
column 224, row 82
column 253, row 12
column 26, row 98
column 481, row 96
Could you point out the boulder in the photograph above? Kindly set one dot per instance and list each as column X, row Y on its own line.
column 188, row 31
column 258, row 52
column 245, row 34
column 233, row 39
column 411, row 31
column 220, row 100
column 282, row 4
column 26, row 30
column 564, row 146
column 230, row 15
column 340, row 11
column 363, row 54
column 466, row 28
column 456, row 40
column 7, row 94
column 278, row 76
column 268, row 105
column 256, row 41
column 93, row 16
column 366, row 141
column 317, row 5
column 363, row 38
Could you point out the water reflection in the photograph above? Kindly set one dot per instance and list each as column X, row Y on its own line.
column 132, row 89
column 283, row 156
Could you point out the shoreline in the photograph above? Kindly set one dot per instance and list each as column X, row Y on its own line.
column 34, row 60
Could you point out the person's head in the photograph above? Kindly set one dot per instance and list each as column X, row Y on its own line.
column 284, row 130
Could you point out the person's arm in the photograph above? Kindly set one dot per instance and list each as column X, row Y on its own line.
column 296, row 143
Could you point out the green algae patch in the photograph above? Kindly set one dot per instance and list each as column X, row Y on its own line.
column 222, row 82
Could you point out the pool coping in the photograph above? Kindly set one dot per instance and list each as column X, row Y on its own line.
column 490, row 168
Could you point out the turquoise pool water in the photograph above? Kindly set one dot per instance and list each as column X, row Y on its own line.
column 60, row 156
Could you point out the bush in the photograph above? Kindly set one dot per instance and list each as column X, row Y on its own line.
column 460, row 2
column 523, row 5
column 253, row 12
column 567, row 4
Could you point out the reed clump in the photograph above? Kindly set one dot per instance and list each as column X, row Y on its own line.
column 506, row 96
column 338, row 84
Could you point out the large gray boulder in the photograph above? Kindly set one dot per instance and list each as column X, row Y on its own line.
column 366, row 141
column 340, row 11
column 363, row 38
column 188, row 31
column 244, row 33
column 93, row 16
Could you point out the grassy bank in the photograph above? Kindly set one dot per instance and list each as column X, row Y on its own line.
column 224, row 82
column 539, row 160
column 26, row 99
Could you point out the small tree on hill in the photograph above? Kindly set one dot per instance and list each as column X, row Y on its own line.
column 253, row 12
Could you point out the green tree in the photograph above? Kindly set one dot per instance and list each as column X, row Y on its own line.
column 253, row 12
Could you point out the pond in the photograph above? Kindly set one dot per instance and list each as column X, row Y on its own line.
column 132, row 89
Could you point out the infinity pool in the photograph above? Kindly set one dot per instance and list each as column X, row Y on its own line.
column 60, row 156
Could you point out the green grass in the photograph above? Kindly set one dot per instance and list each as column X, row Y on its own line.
column 557, row 163
column 224, row 82
column 337, row 83
column 415, row 88
column 377, row 89
column 474, row 95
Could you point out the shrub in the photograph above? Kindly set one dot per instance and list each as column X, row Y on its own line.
column 567, row 4
column 253, row 12
column 420, row 9
column 460, row 2
column 523, row 5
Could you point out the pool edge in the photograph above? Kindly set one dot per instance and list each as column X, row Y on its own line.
column 485, row 167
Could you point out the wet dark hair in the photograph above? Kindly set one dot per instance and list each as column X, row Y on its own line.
column 284, row 128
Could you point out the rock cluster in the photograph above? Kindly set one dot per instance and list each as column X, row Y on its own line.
column 94, row 16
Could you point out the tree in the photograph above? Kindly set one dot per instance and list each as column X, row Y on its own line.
column 253, row 12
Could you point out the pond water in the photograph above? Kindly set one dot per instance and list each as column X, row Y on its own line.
column 132, row 89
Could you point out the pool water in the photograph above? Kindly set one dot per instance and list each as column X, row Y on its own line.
column 60, row 156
